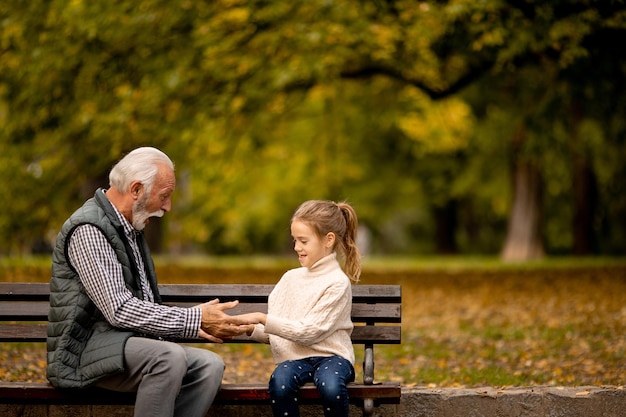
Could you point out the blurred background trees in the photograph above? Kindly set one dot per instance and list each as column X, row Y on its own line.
column 452, row 126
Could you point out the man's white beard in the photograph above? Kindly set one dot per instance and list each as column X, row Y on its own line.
column 140, row 215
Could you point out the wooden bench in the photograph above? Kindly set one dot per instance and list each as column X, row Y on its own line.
column 376, row 313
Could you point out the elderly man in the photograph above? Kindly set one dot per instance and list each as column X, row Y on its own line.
column 107, row 327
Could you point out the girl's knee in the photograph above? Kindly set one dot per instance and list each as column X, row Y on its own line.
column 283, row 382
column 331, row 388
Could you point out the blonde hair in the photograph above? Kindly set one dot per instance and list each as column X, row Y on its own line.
column 339, row 218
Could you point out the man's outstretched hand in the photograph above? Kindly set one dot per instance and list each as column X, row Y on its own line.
column 218, row 326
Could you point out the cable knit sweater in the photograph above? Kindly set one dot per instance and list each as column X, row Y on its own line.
column 309, row 313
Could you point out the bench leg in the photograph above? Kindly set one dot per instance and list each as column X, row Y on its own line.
column 368, row 407
column 368, row 378
column 368, row 365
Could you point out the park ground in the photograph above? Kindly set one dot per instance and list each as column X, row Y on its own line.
column 463, row 325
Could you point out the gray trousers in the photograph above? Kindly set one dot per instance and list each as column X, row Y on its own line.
column 170, row 379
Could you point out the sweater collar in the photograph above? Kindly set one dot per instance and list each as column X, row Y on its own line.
column 324, row 265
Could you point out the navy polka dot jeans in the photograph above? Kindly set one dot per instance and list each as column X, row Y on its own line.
column 330, row 374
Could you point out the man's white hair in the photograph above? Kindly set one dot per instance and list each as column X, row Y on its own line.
column 141, row 164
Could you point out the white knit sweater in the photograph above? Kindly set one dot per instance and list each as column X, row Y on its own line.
column 309, row 313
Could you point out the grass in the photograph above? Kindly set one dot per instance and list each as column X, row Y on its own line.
column 466, row 321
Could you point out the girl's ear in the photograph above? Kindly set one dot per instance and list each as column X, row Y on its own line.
column 329, row 240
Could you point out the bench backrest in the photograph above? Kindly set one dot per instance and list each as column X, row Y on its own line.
column 376, row 309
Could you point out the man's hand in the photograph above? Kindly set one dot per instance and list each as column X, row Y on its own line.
column 218, row 326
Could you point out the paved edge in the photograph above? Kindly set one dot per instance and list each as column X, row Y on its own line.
column 536, row 401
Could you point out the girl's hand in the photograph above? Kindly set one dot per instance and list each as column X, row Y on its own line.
column 253, row 318
column 250, row 329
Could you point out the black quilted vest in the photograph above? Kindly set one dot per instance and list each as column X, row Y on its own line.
column 82, row 346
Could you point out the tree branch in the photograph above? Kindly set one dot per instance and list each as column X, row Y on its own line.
column 434, row 93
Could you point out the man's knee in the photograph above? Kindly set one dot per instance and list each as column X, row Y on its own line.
column 204, row 364
column 172, row 360
column 211, row 359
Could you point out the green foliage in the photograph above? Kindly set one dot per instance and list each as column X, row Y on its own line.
column 399, row 108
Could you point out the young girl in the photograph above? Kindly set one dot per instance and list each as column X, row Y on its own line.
column 308, row 321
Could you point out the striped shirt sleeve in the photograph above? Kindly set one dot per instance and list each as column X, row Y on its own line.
column 101, row 274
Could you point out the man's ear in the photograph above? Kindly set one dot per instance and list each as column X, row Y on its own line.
column 135, row 188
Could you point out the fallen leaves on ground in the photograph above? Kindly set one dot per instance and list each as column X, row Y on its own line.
column 462, row 330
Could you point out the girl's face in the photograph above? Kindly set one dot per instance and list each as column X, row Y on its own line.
column 309, row 247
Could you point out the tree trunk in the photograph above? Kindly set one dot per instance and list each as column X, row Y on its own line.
column 445, row 228
column 585, row 189
column 523, row 239
column 585, row 192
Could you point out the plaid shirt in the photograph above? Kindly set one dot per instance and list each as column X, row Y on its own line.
column 101, row 274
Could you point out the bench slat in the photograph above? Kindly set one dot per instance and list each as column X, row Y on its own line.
column 38, row 310
column 34, row 332
column 361, row 312
column 23, row 291
column 203, row 292
column 44, row 393
column 362, row 334
column 388, row 393
column 24, row 310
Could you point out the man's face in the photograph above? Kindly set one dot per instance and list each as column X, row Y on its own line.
column 141, row 216
column 157, row 201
